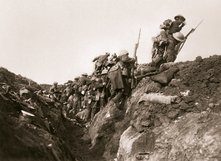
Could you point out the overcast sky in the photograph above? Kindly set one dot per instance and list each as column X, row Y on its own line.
column 56, row 40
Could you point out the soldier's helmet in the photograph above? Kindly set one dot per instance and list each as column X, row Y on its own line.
column 76, row 78
column 123, row 52
column 93, row 78
column 166, row 24
column 114, row 55
column 105, row 71
column 84, row 74
column 55, row 83
column 179, row 17
column 107, row 53
column 179, row 36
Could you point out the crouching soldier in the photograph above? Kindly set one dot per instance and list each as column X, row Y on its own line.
column 100, row 62
column 173, row 46
column 159, row 44
column 168, row 51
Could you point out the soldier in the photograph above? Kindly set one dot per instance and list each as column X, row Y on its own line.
column 166, row 39
column 84, row 80
column 75, row 99
column 112, row 60
column 117, row 85
column 178, row 24
column 66, row 93
column 55, row 92
column 118, row 75
column 100, row 62
column 159, row 43
column 98, row 97
column 173, row 47
column 127, row 65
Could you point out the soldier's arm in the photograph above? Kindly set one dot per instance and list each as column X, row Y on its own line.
column 96, row 58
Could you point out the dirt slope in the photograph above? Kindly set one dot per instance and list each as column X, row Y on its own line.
column 197, row 88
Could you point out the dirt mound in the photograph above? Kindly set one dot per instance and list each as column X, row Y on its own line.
column 196, row 87
column 172, row 115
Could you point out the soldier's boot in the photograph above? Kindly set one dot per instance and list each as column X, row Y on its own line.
column 117, row 99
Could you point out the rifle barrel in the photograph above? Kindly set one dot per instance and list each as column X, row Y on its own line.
column 191, row 31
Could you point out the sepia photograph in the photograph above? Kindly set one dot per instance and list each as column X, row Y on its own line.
column 110, row 80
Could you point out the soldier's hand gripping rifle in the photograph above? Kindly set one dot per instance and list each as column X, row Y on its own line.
column 133, row 82
column 191, row 31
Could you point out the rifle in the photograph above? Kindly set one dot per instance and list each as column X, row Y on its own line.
column 139, row 77
column 191, row 31
column 136, row 47
column 133, row 81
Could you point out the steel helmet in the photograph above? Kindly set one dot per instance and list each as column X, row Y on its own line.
column 105, row 71
column 93, row 78
column 123, row 52
column 84, row 74
column 178, row 36
column 179, row 16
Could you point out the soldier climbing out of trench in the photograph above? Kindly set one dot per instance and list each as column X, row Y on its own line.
column 100, row 62
column 166, row 44
column 170, row 41
column 119, row 76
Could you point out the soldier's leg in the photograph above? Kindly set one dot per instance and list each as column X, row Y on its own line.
column 118, row 97
column 93, row 110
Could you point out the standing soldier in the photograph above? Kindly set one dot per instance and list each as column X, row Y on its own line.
column 100, row 62
column 127, row 64
column 119, row 75
column 97, row 96
column 117, row 85
column 112, row 60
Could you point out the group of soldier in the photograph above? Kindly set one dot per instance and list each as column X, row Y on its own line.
column 111, row 80
column 113, row 76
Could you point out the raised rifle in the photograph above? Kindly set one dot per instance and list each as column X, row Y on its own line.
column 136, row 47
column 191, row 31
column 133, row 80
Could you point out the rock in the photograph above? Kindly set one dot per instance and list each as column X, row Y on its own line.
column 132, row 144
column 199, row 59
column 189, row 138
column 141, row 122
column 166, row 66
column 153, row 87
column 211, row 105
column 103, row 122
column 184, row 105
column 166, row 76
column 189, row 99
column 157, row 122
column 163, row 119
column 83, row 115
column 173, row 114
column 175, row 83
